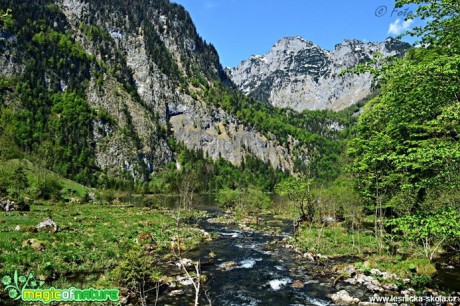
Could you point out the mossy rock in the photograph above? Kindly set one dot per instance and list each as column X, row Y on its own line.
column 35, row 244
column 426, row 270
column 145, row 238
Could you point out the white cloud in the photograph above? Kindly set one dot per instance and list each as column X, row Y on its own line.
column 398, row 26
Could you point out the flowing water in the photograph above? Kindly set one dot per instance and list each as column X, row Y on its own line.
column 263, row 273
column 253, row 268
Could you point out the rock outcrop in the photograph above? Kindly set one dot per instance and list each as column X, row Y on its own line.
column 192, row 121
column 298, row 74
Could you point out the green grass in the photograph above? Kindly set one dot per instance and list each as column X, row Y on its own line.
column 334, row 241
column 403, row 267
column 92, row 240
column 407, row 262
column 35, row 174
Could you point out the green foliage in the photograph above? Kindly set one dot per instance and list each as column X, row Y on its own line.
column 431, row 228
column 294, row 189
column 299, row 192
column 420, row 281
column 334, row 241
column 159, row 53
column 227, row 197
column 20, row 179
column 442, row 22
column 44, row 121
column 313, row 129
column 48, row 188
column 255, row 200
column 215, row 175
column 407, row 138
column 95, row 240
column 6, row 20
column 135, row 270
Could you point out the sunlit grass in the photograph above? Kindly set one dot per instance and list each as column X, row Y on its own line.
column 91, row 241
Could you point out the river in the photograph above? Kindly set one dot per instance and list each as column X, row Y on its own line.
column 254, row 268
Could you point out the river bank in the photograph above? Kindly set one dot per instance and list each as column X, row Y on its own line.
column 257, row 263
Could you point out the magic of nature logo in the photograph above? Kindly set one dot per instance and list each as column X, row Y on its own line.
column 29, row 289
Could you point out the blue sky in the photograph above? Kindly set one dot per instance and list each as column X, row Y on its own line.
column 240, row 28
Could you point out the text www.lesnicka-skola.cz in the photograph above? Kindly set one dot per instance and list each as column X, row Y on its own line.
column 414, row 299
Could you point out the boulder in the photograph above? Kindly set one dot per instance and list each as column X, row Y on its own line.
column 48, row 225
column 343, row 298
column 227, row 265
column 176, row 292
column 376, row 272
column 184, row 262
column 35, row 244
column 348, row 270
column 9, row 205
column 351, row 281
column 428, row 270
column 297, row 284
column 308, row 256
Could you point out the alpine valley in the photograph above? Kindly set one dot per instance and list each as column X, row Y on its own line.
column 136, row 168
column 145, row 78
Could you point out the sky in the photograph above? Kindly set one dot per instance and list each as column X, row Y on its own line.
column 241, row 28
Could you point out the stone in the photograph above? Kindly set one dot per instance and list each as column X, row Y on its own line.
column 227, row 265
column 408, row 292
column 351, row 281
column 349, row 270
column 10, row 205
column 184, row 280
column 374, row 288
column 176, row 292
column 343, row 298
column 184, row 262
column 390, row 287
column 48, row 225
column 363, row 279
column 17, row 228
column 428, row 270
column 35, row 244
column 329, row 219
column 297, row 284
column 376, row 272
column 308, row 256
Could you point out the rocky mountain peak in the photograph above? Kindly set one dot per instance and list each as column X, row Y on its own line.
column 297, row 73
column 292, row 43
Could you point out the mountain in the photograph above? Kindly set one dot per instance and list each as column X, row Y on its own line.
column 100, row 89
column 298, row 74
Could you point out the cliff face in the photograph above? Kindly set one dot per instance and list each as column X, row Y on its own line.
column 148, row 36
column 298, row 74
column 145, row 53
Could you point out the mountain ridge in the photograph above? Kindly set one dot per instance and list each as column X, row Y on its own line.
column 143, row 76
column 298, row 74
